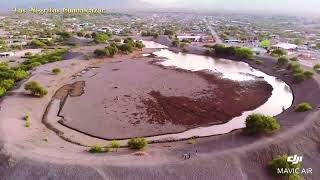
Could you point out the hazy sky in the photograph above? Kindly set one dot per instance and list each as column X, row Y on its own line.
column 307, row 6
column 276, row 6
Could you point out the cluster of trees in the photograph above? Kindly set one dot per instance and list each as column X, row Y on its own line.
column 316, row 67
column 134, row 143
column 299, row 74
column 9, row 76
column 230, row 51
column 35, row 89
column 100, row 37
column 37, row 60
column 259, row 123
column 127, row 47
column 278, row 52
column 150, row 33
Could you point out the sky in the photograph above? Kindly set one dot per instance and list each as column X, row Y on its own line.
column 275, row 6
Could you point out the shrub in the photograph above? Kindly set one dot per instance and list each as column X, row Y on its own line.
column 243, row 53
column 56, row 71
column 192, row 141
column 303, row 107
column 278, row 53
column 137, row 143
column 308, row 74
column 282, row 162
column 294, row 59
column 259, row 123
column 114, row 144
column 36, row 89
column 7, row 84
column 299, row 77
column 97, row 148
column 102, row 52
column 28, row 54
column 282, row 61
column 2, row 91
column 316, row 67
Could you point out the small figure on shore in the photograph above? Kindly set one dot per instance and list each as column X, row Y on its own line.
column 189, row 155
column 185, row 156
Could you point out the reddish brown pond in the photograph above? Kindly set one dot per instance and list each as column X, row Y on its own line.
column 135, row 98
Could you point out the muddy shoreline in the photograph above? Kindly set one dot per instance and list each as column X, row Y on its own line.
column 161, row 108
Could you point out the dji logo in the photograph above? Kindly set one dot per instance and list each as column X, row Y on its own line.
column 294, row 159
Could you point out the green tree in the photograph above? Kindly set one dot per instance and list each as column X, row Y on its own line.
column 283, row 61
column 35, row 89
column 265, row 43
column 126, row 48
column 244, row 53
column 37, row 43
column 303, row 107
column 316, row 67
column 7, row 84
column 102, row 52
column 278, row 52
column 56, row 71
column 176, row 43
column 2, row 91
column 137, row 143
column 259, row 123
column 281, row 162
column 101, row 38
column 114, row 144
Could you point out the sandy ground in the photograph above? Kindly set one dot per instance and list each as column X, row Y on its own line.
column 38, row 153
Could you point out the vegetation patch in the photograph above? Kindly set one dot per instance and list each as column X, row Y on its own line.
column 281, row 162
column 35, row 89
column 97, row 148
column 303, row 107
column 137, row 143
column 259, row 123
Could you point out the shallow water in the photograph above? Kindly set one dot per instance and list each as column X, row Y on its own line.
column 280, row 99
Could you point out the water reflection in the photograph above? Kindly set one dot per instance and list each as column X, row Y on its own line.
column 280, row 99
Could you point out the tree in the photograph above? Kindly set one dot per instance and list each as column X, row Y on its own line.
column 278, row 52
column 281, row 162
column 169, row 32
column 80, row 34
column 100, row 38
column 56, row 71
column 37, row 43
column 259, row 123
column 283, row 61
column 137, row 143
column 303, row 107
column 265, row 44
column 244, row 53
column 102, row 52
column 35, row 89
column 20, row 74
column 115, row 144
column 7, row 84
column 316, row 67
column 139, row 44
column 2, row 91
column 113, row 50
column 126, row 48
column 308, row 74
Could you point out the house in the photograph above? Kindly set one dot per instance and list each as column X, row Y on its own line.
column 285, row 46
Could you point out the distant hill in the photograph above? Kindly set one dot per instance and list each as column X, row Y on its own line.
column 108, row 4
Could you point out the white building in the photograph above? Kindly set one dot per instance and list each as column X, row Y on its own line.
column 286, row 46
column 6, row 54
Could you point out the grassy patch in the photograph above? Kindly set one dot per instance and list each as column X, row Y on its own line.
column 303, row 107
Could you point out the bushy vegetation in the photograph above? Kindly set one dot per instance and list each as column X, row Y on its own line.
column 56, row 71
column 35, row 89
column 299, row 74
column 303, row 107
column 137, row 143
column 283, row 61
column 316, row 67
column 9, row 76
column 127, row 47
column 259, row 123
column 37, row 60
column 27, row 121
column 281, row 162
column 230, row 51
column 97, row 148
column 101, row 37
column 114, row 144
column 278, row 52
column 150, row 33
column 294, row 59
column 37, row 43
column 176, row 42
